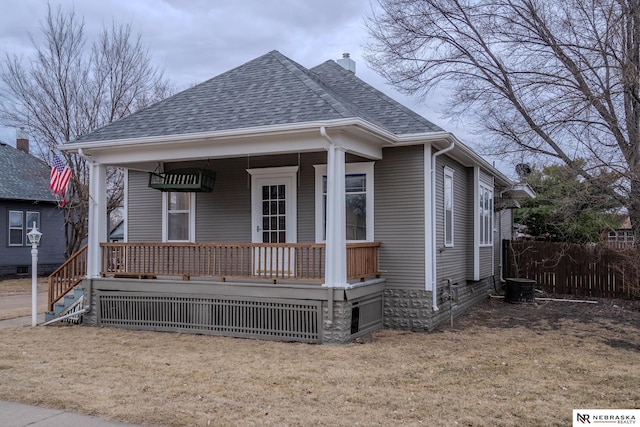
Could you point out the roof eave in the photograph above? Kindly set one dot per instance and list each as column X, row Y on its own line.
column 383, row 135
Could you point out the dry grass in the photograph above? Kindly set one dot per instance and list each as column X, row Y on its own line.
column 21, row 286
column 502, row 365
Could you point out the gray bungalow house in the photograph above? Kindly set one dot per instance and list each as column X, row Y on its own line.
column 279, row 202
column 25, row 198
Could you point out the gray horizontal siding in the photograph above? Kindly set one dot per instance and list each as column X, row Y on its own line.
column 399, row 216
column 144, row 209
column 223, row 215
column 451, row 261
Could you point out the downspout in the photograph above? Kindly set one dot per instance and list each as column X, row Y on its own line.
column 323, row 133
column 434, row 285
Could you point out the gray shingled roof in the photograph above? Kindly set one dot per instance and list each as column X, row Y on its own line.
column 268, row 90
column 23, row 177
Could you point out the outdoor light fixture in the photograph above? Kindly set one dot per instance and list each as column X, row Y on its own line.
column 34, row 237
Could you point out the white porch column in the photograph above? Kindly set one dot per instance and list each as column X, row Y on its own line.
column 97, row 216
column 336, row 256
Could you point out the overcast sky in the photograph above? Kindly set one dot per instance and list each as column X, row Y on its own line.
column 194, row 40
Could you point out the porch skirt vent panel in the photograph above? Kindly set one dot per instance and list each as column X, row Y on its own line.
column 277, row 319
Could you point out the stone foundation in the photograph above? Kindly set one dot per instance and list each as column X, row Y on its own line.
column 337, row 330
column 411, row 309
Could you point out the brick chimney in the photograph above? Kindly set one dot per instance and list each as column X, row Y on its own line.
column 22, row 140
column 347, row 63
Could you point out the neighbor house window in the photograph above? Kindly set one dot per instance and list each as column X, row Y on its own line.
column 33, row 217
column 358, row 201
column 486, row 214
column 16, row 228
column 448, row 207
column 178, row 217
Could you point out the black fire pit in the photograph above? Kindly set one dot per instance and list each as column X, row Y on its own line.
column 520, row 291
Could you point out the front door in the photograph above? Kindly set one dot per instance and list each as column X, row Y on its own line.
column 273, row 220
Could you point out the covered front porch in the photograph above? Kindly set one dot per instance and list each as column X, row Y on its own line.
column 224, row 289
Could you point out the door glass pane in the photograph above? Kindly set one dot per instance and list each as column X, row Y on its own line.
column 274, row 213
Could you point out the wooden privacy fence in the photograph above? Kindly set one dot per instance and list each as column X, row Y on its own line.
column 571, row 269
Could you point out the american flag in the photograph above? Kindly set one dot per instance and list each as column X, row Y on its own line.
column 60, row 175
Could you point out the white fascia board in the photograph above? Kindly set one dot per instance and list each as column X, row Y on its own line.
column 141, row 153
column 297, row 137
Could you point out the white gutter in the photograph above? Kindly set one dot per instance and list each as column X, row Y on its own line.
column 434, row 284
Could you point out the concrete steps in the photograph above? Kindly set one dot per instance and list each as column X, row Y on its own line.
column 62, row 307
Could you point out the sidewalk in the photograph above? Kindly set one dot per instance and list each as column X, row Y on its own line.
column 20, row 321
column 19, row 415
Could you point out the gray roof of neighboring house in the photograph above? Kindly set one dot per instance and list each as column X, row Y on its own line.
column 23, row 176
column 269, row 90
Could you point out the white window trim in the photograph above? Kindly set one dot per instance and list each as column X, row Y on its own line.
column 365, row 168
column 192, row 218
column 448, row 172
column 484, row 186
column 9, row 228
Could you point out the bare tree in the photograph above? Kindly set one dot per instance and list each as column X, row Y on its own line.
column 556, row 80
column 68, row 89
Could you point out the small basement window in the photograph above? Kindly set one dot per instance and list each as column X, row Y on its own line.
column 185, row 180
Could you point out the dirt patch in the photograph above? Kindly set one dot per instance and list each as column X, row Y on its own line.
column 500, row 365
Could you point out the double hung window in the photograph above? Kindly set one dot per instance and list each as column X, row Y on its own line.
column 178, row 221
column 486, row 214
column 448, row 207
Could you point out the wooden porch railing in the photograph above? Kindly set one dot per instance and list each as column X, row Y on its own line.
column 67, row 276
column 362, row 260
column 275, row 261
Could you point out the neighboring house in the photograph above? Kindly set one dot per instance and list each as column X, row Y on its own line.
column 117, row 233
column 622, row 237
column 25, row 198
column 280, row 202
